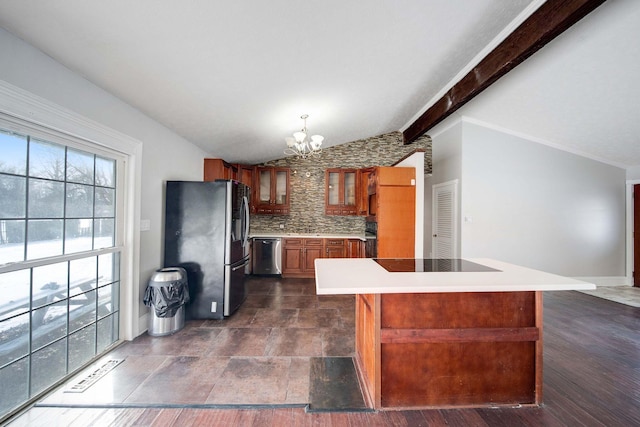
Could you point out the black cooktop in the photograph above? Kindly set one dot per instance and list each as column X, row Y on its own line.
column 410, row 265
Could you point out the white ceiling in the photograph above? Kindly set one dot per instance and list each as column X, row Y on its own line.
column 580, row 92
column 234, row 76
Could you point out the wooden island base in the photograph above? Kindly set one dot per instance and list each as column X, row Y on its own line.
column 423, row 350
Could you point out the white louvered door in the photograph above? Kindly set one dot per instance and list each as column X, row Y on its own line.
column 445, row 220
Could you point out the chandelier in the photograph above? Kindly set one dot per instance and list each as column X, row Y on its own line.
column 298, row 145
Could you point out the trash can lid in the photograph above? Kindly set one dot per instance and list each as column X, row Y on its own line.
column 169, row 274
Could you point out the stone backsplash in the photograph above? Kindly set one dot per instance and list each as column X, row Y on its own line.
column 307, row 183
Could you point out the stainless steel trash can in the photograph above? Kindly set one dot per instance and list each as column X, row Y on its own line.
column 166, row 295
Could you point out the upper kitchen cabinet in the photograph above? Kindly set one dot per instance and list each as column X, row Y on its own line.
column 363, row 193
column 392, row 205
column 218, row 169
column 272, row 190
column 244, row 175
column 340, row 192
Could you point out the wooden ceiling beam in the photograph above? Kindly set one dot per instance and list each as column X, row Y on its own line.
column 549, row 21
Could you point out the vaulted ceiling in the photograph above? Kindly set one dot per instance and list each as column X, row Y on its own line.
column 234, row 77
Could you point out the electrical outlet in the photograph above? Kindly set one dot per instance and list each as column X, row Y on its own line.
column 214, row 306
column 281, row 226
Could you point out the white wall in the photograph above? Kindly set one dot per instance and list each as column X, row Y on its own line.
column 428, row 229
column 416, row 160
column 447, row 163
column 530, row 204
column 447, row 152
column 540, row 207
column 165, row 155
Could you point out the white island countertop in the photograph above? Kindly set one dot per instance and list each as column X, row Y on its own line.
column 336, row 276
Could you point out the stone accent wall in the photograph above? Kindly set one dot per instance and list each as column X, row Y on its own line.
column 307, row 183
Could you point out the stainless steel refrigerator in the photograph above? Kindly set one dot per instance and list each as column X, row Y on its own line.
column 207, row 234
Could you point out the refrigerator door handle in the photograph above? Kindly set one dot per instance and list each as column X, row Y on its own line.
column 238, row 267
column 278, row 256
column 245, row 207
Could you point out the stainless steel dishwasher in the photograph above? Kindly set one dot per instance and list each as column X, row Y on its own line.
column 267, row 255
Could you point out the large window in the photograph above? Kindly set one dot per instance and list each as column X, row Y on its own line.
column 59, row 263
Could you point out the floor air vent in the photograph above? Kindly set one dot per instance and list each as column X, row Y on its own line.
column 93, row 376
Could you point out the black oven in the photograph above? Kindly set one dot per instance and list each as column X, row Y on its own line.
column 371, row 242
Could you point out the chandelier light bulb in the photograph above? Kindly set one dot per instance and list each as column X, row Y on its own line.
column 316, row 141
column 300, row 136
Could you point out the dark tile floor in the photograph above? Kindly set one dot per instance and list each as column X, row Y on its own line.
column 259, row 355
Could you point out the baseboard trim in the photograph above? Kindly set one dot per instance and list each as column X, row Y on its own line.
column 143, row 324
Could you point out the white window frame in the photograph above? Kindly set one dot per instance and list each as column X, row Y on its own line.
column 24, row 112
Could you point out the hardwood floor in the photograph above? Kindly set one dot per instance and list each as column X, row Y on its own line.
column 591, row 378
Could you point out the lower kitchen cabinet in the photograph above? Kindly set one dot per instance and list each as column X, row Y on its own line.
column 355, row 248
column 334, row 248
column 343, row 248
column 299, row 255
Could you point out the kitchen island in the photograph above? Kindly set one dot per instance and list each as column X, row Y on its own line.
column 445, row 333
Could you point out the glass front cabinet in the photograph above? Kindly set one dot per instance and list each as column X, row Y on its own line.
column 341, row 191
column 271, row 194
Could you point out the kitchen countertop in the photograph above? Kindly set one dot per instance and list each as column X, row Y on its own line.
column 259, row 235
column 365, row 276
